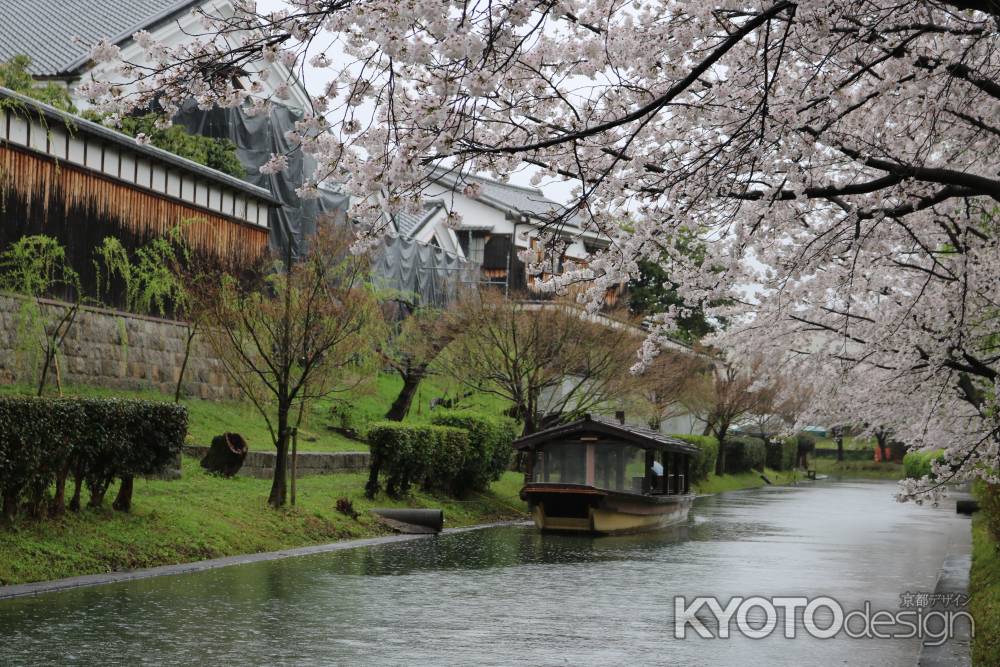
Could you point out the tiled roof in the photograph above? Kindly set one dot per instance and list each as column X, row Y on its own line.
column 409, row 224
column 45, row 30
column 515, row 199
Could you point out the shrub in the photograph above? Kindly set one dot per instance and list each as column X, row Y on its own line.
column 489, row 451
column 459, row 453
column 33, row 448
column 781, row 454
column 345, row 419
column 989, row 498
column 917, row 464
column 867, row 454
column 42, row 440
column 702, row 463
column 404, row 455
column 806, row 443
column 743, row 454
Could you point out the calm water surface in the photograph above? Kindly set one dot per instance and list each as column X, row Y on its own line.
column 510, row 595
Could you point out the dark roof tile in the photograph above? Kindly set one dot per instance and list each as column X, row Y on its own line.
column 46, row 30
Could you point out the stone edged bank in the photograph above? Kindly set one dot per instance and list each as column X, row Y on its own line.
column 261, row 464
column 57, row 585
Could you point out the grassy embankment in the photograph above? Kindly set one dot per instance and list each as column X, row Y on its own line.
column 823, row 466
column 856, row 469
column 208, row 419
column 984, row 585
column 851, row 443
column 201, row 516
column 747, row 480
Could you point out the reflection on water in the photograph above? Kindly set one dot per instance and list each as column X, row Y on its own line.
column 515, row 596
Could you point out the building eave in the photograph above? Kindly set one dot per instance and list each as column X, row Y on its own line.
column 72, row 123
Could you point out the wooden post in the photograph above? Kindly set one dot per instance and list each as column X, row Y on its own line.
column 675, row 469
column 295, row 460
column 687, row 473
column 619, row 456
column 589, row 474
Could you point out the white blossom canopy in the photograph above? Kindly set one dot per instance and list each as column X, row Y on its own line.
column 837, row 157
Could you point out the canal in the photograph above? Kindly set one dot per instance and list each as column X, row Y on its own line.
column 513, row 596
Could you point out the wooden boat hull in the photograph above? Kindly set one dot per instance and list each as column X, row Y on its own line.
column 586, row 509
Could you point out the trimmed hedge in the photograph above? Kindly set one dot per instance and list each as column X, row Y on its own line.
column 460, row 453
column 918, row 464
column 743, row 454
column 405, row 455
column 849, row 454
column 781, row 454
column 43, row 441
column 489, row 451
column 703, row 463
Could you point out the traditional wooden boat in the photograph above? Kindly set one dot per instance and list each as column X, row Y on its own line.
column 599, row 476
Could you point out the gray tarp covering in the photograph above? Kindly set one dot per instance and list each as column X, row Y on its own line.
column 401, row 264
column 256, row 138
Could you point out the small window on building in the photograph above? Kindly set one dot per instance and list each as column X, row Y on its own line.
column 473, row 244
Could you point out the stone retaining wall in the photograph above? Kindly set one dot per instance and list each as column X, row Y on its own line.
column 114, row 349
column 261, row 464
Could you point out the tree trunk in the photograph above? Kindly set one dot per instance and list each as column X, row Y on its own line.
column 58, row 506
column 530, row 426
column 883, row 446
column 55, row 364
column 53, row 343
column 74, row 503
column 371, row 488
column 10, row 505
column 295, row 460
column 279, row 485
column 720, row 461
column 37, row 501
column 840, row 446
column 401, row 406
column 123, row 503
column 192, row 330
column 45, row 371
column 97, row 491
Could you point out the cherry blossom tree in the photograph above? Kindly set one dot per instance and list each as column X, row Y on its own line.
column 835, row 158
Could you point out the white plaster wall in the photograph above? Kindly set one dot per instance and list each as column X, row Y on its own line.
column 179, row 31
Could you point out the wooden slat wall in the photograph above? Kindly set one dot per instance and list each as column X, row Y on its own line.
column 43, row 184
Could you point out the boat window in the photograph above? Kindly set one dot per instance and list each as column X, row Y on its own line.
column 619, row 468
column 562, row 463
column 606, row 466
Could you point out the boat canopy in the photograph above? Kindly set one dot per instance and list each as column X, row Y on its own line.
column 609, row 432
column 606, row 455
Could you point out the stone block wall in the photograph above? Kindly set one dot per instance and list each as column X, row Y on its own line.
column 261, row 464
column 116, row 350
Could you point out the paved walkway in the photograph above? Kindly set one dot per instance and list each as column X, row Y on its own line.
column 953, row 578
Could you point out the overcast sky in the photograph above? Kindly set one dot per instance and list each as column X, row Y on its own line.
column 316, row 80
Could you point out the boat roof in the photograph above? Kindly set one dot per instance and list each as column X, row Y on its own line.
column 633, row 435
